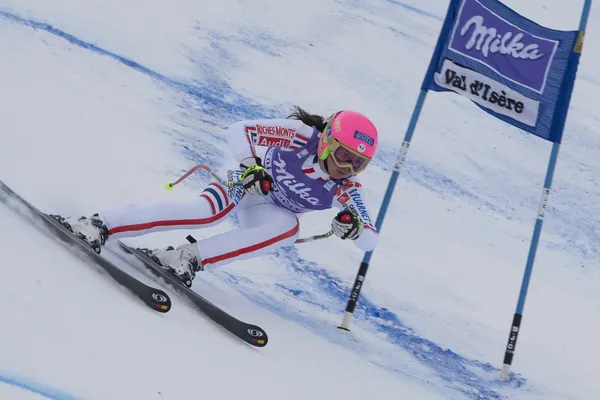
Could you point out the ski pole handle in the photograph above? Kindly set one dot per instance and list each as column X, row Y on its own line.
column 226, row 183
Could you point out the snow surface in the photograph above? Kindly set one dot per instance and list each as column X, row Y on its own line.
column 102, row 102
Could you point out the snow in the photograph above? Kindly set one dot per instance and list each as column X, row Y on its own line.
column 102, row 102
column 10, row 392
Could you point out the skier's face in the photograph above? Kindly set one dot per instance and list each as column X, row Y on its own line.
column 337, row 172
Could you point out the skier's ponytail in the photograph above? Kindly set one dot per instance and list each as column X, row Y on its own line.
column 309, row 119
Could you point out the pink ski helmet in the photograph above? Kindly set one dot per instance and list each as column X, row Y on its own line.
column 350, row 138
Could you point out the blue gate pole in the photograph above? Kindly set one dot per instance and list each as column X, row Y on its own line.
column 364, row 265
column 516, row 323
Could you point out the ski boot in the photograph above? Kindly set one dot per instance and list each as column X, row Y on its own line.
column 183, row 261
column 91, row 230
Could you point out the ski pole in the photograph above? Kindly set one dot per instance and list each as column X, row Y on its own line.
column 316, row 237
column 169, row 186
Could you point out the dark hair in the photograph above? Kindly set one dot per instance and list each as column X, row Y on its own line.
column 309, row 119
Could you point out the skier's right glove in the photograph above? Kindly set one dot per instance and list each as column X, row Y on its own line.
column 255, row 178
column 347, row 225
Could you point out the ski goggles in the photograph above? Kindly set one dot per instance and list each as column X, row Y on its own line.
column 342, row 155
column 345, row 157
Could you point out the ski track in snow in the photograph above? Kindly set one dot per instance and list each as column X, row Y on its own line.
column 415, row 10
column 472, row 378
column 34, row 387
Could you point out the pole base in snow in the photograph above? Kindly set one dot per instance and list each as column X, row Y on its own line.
column 345, row 325
column 504, row 372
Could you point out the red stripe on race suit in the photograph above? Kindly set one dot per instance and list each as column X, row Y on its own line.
column 254, row 247
column 371, row 227
column 212, row 204
column 248, row 136
column 174, row 222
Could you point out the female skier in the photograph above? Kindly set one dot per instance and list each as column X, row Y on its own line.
column 287, row 167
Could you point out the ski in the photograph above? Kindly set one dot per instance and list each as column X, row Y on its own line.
column 251, row 334
column 154, row 298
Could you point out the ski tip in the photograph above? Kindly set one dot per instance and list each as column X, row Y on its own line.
column 257, row 337
column 160, row 301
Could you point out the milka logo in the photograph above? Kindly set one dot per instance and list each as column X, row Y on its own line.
column 284, row 177
column 488, row 40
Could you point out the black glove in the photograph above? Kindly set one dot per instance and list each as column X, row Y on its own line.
column 347, row 225
column 255, row 178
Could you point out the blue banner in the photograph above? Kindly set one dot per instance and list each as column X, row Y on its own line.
column 511, row 67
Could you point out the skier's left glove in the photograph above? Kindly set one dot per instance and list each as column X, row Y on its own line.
column 255, row 178
column 347, row 225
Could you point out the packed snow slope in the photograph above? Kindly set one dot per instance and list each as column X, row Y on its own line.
column 102, row 102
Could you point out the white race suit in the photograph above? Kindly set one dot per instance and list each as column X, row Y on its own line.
column 287, row 148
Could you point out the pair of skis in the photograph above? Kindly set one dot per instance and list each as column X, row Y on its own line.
column 154, row 298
